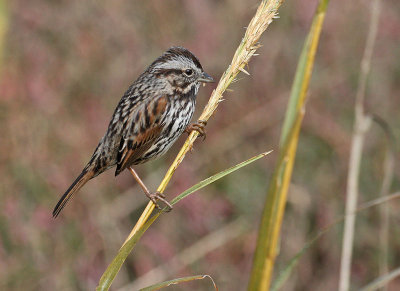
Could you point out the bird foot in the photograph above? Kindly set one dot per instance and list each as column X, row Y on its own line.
column 198, row 126
column 161, row 197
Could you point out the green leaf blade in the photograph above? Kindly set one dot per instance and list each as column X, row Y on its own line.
column 178, row 281
column 216, row 177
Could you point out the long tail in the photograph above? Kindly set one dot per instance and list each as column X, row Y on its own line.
column 85, row 176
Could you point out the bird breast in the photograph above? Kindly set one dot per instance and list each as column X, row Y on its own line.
column 177, row 117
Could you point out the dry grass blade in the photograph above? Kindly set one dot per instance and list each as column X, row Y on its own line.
column 265, row 14
column 266, row 253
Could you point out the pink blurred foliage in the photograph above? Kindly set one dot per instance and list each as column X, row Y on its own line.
column 42, row 220
column 160, row 245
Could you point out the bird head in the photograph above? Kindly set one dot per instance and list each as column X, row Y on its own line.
column 181, row 69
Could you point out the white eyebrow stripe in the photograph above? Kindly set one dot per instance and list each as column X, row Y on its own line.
column 176, row 63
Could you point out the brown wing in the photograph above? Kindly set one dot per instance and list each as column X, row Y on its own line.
column 141, row 134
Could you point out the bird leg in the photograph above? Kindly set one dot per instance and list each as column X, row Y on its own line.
column 198, row 126
column 152, row 196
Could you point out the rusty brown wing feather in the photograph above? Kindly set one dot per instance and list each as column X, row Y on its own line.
column 141, row 134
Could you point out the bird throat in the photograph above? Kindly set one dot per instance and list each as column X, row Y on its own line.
column 187, row 88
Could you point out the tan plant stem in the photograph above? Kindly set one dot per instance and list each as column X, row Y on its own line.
column 361, row 125
column 265, row 13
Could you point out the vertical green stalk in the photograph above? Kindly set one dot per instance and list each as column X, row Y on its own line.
column 266, row 249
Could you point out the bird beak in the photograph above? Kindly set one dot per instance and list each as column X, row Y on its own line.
column 205, row 78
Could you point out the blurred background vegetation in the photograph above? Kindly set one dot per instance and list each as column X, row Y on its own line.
column 64, row 67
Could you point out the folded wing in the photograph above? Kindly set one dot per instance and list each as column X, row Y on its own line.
column 141, row 134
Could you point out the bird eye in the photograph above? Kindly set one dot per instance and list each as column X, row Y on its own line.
column 189, row 72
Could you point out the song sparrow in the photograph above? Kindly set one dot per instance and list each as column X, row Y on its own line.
column 152, row 114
